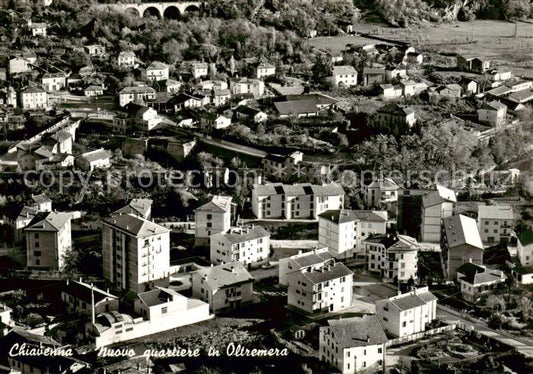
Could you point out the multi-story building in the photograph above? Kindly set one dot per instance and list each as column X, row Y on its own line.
column 212, row 218
column 138, row 207
column 244, row 86
column 353, row 344
column 317, row 257
column 281, row 167
column 493, row 113
column 246, row 245
column 199, row 69
column 393, row 114
column 284, row 201
column 126, row 59
column 95, row 50
column 32, row 98
column 476, row 280
column 495, row 223
column 223, row 287
column 53, row 82
column 136, row 94
column 524, row 247
column 157, row 71
column 345, row 76
column 436, row 205
column 320, row 287
column 265, row 70
column 408, row 313
column 19, row 64
column 381, row 191
column 395, row 257
column 343, row 231
column 48, row 240
column 136, row 252
column 79, row 297
column 460, row 243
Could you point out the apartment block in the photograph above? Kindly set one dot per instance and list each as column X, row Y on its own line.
column 247, row 245
column 436, row 205
column 408, row 313
column 212, row 218
column 317, row 257
column 136, row 252
column 524, row 247
column 495, row 223
column 394, row 257
column 298, row 201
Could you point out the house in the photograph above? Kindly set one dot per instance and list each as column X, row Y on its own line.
column 79, row 298
column 250, row 114
column 19, row 64
column 38, row 28
column 298, row 262
column 460, row 243
column 408, row 313
column 413, row 58
column 210, row 85
column 523, row 274
column 95, row 50
column 126, row 59
column 136, row 94
column 476, row 280
column 474, row 64
column 142, row 118
column 97, row 159
column 212, row 121
column 498, row 75
column 93, row 91
column 33, row 98
column 186, row 100
column 469, row 86
column 393, row 114
column 302, row 105
column 345, row 75
column 223, row 287
column 138, row 207
column 180, row 149
column 281, row 167
column 249, row 246
column 388, row 91
column 524, row 247
column 381, row 191
column 48, row 240
column 135, row 251
column 345, row 26
column 394, row 257
column 298, row 201
column 373, row 76
column 411, row 88
column 265, row 69
column 398, row 72
column 212, row 218
column 320, row 287
column 521, row 97
column 493, row 113
column 353, row 344
column 157, row 71
column 452, row 90
column 53, row 82
column 172, row 86
column 242, row 86
column 495, row 223
column 436, row 205
column 199, row 69
column 344, row 231
column 221, row 96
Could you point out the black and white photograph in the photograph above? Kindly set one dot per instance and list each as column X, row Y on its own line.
column 266, row 186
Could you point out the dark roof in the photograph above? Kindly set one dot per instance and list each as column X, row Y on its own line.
column 246, row 110
column 526, row 236
column 357, row 331
column 332, row 272
column 135, row 225
column 339, row 216
column 469, row 269
column 82, row 291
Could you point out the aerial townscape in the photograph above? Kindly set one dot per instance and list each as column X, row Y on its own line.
column 266, row 186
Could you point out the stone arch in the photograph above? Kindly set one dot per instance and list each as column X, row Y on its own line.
column 151, row 11
column 192, row 9
column 172, row 12
column 133, row 11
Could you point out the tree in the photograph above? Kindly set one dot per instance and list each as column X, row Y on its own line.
column 525, row 305
column 496, row 303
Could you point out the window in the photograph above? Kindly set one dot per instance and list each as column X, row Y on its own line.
column 36, row 253
column 164, row 310
column 36, row 244
column 36, row 236
column 37, row 262
column 209, row 224
column 380, row 350
column 404, row 323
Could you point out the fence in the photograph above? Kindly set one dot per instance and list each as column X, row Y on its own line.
column 420, row 335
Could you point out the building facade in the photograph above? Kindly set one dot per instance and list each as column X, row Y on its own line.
column 495, row 223
column 394, row 257
column 246, row 245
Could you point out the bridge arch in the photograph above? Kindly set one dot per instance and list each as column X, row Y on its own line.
column 172, row 12
column 152, row 11
column 133, row 11
column 192, row 9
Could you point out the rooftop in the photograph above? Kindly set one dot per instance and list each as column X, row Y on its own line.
column 225, row 275
column 242, row 235
column 98, row 154
column 311, row 258
column 462, row 230
column 344, row 70
column 357, row 331
column 136, row 206
column 385, row 184
column 134, row 225
column 51, row 221
column 158, row 296
column 442, row 194
column 82, row 291
column 413, row 299
column 218, row 204
column 327, row 273
column 298, row 189
column 495, row 212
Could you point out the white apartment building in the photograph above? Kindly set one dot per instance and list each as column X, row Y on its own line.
column 343, row 231
column 476, row 280
column 494, row 113
column 408, row 313
column 316, row 257
column 436, row 205
column 285, row 201
column 246, row 245
column 321, row 287
column 265, row 70
column 136, row 252
column 223, row 287
column 524, row 247
column 126, row 59
column 33, row 98
column 354, row 344
column 53, row 82
column 394, row 257
column 381, row 191
column 157, row 71
column 48, row 239
column 212, row 218
column 495, row 223
column 134, row 94
column 345, row 75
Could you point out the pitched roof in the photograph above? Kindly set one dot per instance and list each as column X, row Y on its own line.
column 394, row 242
column 298, row 189
column 51, row 221
column 225, row 275
column 339, row 216
column 469, row 268
column 462, row 230
column 82, row 291
column 98, row 154
column 310, row 258
column 525, row 236
column 296, row 107
column 384, row 184
column 357, row 331
column 411, row 299
column 135, row 225
column 344, row 70
column 136, row 90
column 374, row 71
column 439, row 196
column 394, row 109
column 157, row 296
column 494, row 105
column 157, row 65
column 218, row 204
column 495, row 212
column 136, row 206
column 484, row 276
column 244, row 235
column 328, row 273
column 41, row 199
